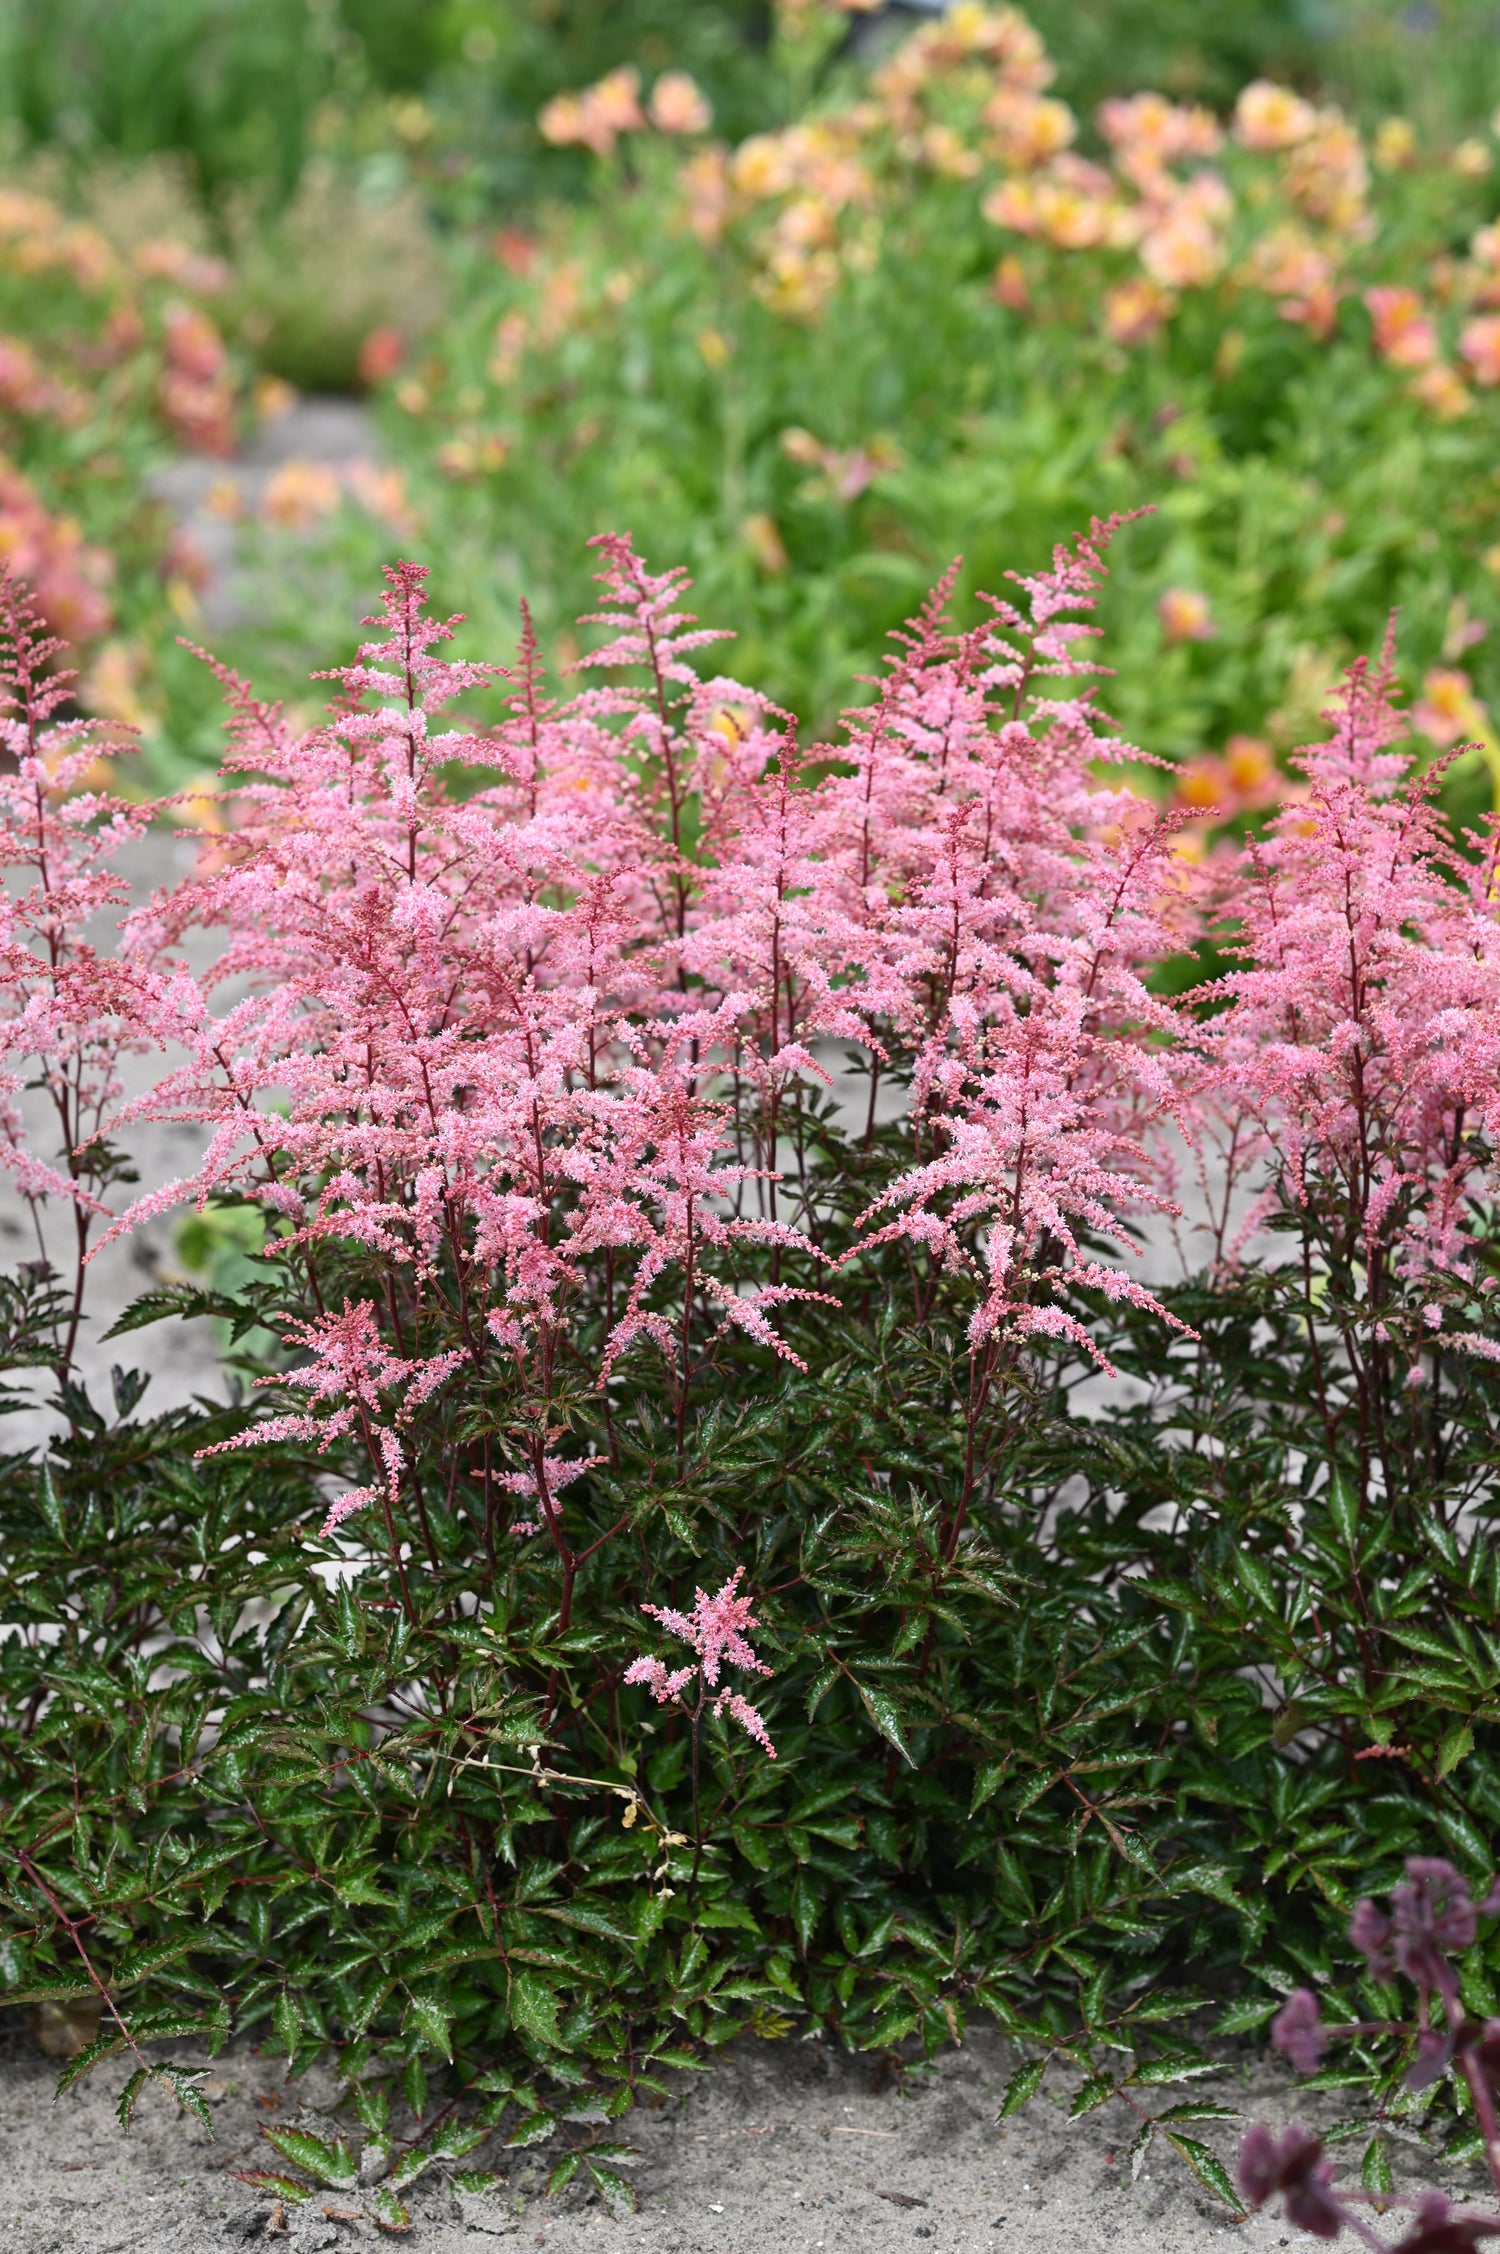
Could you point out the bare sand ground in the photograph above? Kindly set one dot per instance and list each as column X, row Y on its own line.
column 782, row 2148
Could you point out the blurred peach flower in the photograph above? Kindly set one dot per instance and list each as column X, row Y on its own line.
column 760, row 167
column 516, row 250
column 111, row 688
column 1203, row 787
column 1183, row 249
column 1186, row 616
column 1135, row 309
column 1443, row 391
column 1479, row 343
column 67, row 576
column 1327, row 175
column 164, row 260
column 945, row 152
column 1272, row 117
column 762, row 536
column 300, row 494
column 678, row 104
column 1404, row 330
column 1028, row 128
column 1150, row 133
column 1448, row 710
column 380, row 490
column 705, row 183
column 1009, row 285
column 1250, row 769
column 597, row 117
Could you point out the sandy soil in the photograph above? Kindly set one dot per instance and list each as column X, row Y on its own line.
column 784, row 2148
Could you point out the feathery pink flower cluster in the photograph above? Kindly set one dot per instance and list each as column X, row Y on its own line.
column 1356, row 1050
column 715, row 1628
column 66, row 1015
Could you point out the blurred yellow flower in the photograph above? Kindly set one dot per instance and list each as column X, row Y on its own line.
column 763, row 539
column 1186, row 616
column 1272, row 117
column 1448, row 710
column 111, row 688
column 713, row 348
column 1395, row 145
column 273, row 397
column 760, row 169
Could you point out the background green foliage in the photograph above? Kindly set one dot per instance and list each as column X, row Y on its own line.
column 245, row 92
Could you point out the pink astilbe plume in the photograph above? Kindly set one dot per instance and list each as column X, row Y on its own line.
column 67, row 1012
column 1352, row 1057
column 461, row 1039
column 716, row 1631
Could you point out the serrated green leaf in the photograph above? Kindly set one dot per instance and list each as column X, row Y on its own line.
column 1375, row 2168
column 563, row 2174
column 1096, row 2091
column 1343, row 1507
column 388, row 2212
column 332, row 2164
column 183, row 2082
column 127, row 2100
column 1244, row 2017
column 885, row 1713
column 1155, row 2073
column 1023, row 2085
column 430, row 2020
column 534, row 2008
column 107, row 2045
column 615, row 2190
column 1455, row 1747
column 1208, row 2168
column 282, row 2187
column 535, row 2129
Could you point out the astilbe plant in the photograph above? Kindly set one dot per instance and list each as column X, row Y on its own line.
column 596, row 1285
column 518, row 1042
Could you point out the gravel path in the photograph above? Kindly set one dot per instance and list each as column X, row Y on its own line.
column 783, row 2148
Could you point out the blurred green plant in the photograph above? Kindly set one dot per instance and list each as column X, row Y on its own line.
column 820, row 365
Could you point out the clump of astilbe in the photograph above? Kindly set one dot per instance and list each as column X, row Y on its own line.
column 494, row 1080
column 65, row 1020
column 1433, row 1918
column 517, row 1041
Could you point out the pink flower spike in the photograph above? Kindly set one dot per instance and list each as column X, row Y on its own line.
column 715, row 1629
